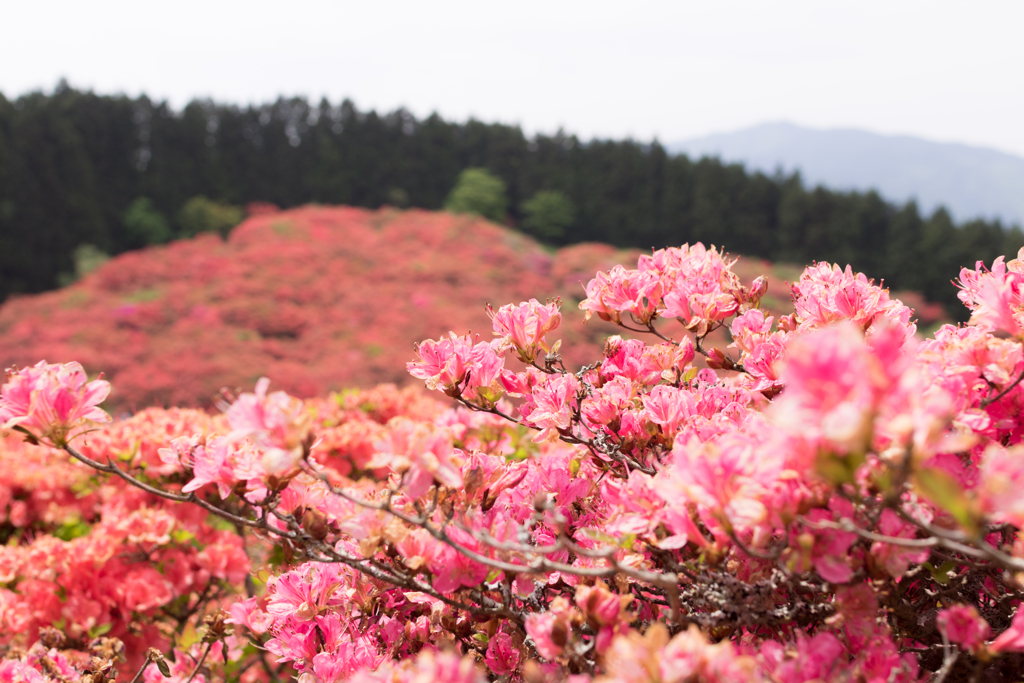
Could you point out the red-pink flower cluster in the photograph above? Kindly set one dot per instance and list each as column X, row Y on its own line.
column 836, row 502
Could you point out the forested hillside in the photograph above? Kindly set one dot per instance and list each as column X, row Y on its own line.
column 117, row 173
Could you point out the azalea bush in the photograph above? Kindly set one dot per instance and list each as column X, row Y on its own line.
column 827, row 497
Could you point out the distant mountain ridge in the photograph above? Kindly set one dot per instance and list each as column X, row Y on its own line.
column 972, row 182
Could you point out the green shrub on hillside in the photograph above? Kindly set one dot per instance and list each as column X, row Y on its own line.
column 203, row 215
column 144, row 225
column 479, row 192
column 548, row 214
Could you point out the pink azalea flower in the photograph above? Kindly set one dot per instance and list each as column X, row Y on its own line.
column 453, row 570
column 554, row 399
column 549, row 631
column 1012, row 639
column 896, row 559
column 51, row 400
column 964, row 626
column 502, row 655
column 996, row 296
column 525, row 325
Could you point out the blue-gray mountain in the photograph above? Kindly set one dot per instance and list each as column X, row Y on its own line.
column 972, row 182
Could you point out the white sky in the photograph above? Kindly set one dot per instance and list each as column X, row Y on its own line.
column 947, row 71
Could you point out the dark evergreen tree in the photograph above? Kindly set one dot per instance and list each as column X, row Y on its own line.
column 73, row 163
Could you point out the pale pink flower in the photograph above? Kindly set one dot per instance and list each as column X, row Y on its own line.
column 278, row 423
column 247, row 613
column 809, row 659
column 834, row 381
column 549, row 631
column 525, row 325
column 996, row 296
column 422, row 453
column 554, row 399
column 730, row 478
column 51, row 400
column 1012, row 639
column 452, row 570
column 443, row 363
column 623, row 291
column 668, row 407
column 1002, row 479
column 896, row 558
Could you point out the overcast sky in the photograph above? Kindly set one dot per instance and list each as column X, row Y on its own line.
column 947, row 71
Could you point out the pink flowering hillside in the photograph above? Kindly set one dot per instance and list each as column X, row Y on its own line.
column 317, row 298
column 823, row 496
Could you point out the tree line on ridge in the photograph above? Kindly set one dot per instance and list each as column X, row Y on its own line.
column 83, row 174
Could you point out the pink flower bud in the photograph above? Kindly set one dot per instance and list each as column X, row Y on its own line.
column 716, row 360
column 687, row 350
column 758, row 288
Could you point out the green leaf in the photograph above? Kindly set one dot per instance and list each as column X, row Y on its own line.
column 165, row 668
column 838, row 469
column 74, row 528
column 182, row 536
column 598, row 535
column 942, row 490
column 941, row 573
column 219, row 523
column 100, row 630
column 189, row 637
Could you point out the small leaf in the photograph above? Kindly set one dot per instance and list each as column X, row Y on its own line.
column 574, row 467
column 598, row 535
column 838, row 469
column 164, row 667
column 941, row 489
column 182, row 536
column 100, row 629
column 188, row 638
column 29, row 436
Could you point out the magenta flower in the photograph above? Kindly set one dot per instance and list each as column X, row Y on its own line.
column 502, row 655
column 964, row 626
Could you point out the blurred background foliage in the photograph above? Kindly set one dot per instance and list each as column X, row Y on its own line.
column 481, row 193
column 77, row 168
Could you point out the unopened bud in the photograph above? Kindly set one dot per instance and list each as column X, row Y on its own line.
column 51, row 638
column 611, row 345
column 216, row 626
column 716, row 360
column 787, row 323
column 315, row 524
column 533, row 673
column 758, row 288
column 686, row 352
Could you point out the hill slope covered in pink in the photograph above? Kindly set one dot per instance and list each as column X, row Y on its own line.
column 316, row 298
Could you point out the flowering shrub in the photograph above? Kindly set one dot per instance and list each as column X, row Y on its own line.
column 829, row 498
column 316, row 298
